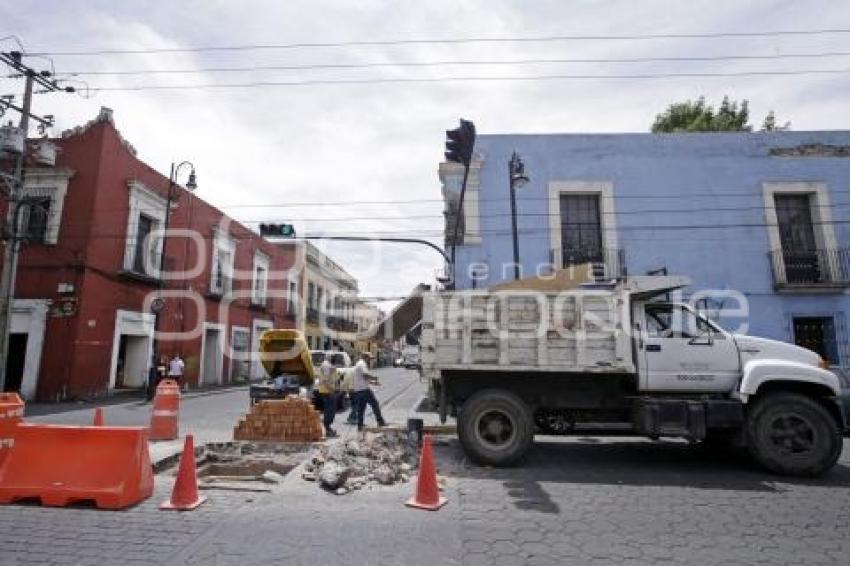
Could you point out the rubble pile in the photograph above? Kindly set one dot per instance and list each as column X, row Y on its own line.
column 342, row 466
column 288, row 420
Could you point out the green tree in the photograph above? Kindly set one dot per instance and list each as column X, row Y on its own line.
column 770, row 125
column 697, row 116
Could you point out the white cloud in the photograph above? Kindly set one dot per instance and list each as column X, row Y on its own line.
column 335, row 143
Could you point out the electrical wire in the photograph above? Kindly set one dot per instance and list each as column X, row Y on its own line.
column 439, row 232
column 445, row 41
column 454, row 63
column 425, row 80
column 364, row 217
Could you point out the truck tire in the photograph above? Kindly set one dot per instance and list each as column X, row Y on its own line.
column 495, row 427
column 792, row 434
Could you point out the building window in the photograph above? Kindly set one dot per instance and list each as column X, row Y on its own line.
column 817, row 333
column 221, row 282
column 311, row 295
column 581, row 229
column 293, row 294
column 35, row 216
column 146, row 216
column 260, row 284
column 803, row 247
column 797, row 238
column 582, row 225
column 144, row 256
column 224, row 248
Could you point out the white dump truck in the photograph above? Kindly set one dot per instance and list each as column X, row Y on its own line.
column 618, row 359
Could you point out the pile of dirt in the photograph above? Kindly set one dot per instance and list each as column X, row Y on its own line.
column 345, row 465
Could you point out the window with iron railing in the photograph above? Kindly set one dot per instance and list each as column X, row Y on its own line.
column 802, row 259
column 581, row 229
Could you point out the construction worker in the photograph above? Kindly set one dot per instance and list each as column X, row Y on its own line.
column 328, row 384
column 363, row 394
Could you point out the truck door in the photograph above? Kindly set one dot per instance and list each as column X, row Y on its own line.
column 680, row 351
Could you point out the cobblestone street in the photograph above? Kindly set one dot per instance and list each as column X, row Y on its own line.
column 631, row 502
column 581, row 501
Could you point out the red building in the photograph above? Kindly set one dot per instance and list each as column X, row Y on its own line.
column 82, row 323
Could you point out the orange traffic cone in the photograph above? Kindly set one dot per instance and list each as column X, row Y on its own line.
column 427, row 492
column 184, row 496
column 98, row 417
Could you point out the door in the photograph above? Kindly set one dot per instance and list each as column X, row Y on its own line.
column 683, row 352
column 212, row 357
column 121, row 365
column 16, row 361
column 240, row 360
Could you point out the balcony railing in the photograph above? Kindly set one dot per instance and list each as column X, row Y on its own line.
column 817, row 269
column 341, row 324
column 312, row 315
column 606, row 263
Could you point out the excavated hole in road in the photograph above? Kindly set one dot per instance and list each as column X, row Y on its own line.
column 245, row 466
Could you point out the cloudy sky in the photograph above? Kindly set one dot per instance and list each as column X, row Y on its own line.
column 261, row 151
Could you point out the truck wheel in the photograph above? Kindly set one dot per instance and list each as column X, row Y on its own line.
column 792, row 434
column 495, row 427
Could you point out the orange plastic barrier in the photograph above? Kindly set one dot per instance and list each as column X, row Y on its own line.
column 166, row 411
column 11, row 413
column 427, row 491
column 60, row 465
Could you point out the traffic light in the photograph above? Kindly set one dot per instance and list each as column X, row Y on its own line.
column 460, row 142
column 277, row 230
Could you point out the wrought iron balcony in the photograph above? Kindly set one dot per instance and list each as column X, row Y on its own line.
column 606, row 263
column 312, row 315
column 816, row 269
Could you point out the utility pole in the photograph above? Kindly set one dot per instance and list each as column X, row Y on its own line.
column 15, row 199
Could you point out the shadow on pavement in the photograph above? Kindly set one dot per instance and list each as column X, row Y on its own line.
column 627, row 462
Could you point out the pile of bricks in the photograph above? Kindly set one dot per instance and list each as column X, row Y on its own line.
column 288, row 420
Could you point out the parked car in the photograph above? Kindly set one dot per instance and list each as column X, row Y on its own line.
column 341, row 362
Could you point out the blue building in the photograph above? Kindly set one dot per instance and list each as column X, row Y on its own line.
column 759, row 221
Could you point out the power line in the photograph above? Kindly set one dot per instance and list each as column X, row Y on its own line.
column 446, row 41
column 439, row 232
column 424, row 80
column 455, row 63
column 666, row 196
column 490, row 202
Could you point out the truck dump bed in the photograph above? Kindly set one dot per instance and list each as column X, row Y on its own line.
column 520, row 330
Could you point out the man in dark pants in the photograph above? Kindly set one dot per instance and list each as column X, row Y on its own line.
column 363, row 394
column 327, row 392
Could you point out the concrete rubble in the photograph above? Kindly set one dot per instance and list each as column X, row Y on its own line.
column 345, row 465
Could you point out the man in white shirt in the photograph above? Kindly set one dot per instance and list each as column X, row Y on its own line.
column 176, row 368
column 363, row 395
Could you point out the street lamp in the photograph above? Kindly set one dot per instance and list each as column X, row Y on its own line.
column 158, row 304
column 518, row 179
